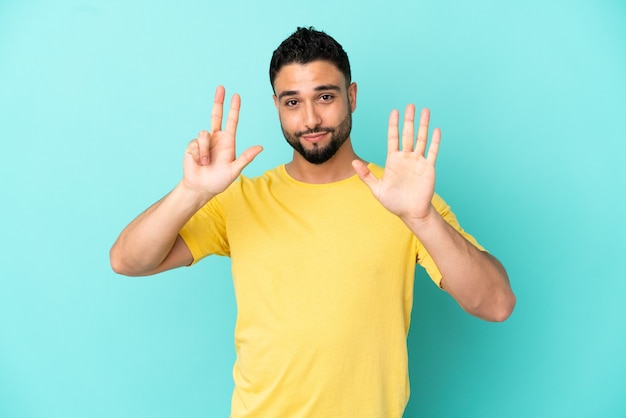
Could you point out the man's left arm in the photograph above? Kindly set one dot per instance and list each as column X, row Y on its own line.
column 475, row 279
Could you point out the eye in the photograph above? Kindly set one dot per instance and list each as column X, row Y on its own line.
column 291, row 103
column 326, row 97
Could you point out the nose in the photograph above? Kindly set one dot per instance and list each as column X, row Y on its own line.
column 312, row 118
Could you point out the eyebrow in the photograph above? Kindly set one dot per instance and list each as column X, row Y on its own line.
column 323, row 87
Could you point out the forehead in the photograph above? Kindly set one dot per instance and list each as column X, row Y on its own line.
column 304, row 77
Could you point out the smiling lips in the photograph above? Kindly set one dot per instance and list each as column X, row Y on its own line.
column 315, row 137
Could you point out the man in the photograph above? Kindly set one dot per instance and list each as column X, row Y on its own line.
column 323, row 259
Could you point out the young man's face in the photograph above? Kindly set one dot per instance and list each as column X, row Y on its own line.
column 315, row 108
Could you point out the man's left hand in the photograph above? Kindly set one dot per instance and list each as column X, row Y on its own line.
column 408, row 183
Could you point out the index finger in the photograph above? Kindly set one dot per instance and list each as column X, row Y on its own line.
column 218, row 109
column 392, row 132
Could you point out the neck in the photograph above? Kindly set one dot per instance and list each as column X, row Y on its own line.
column 337, row 168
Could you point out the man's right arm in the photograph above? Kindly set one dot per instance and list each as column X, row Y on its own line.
column 151, row 244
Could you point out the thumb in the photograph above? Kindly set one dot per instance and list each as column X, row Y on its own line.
column 365, row 174
column 246, row 157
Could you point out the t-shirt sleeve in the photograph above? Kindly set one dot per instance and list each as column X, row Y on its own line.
column 423, row 257
column 205, row 232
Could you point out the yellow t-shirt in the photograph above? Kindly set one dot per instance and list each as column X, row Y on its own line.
column 323, row 278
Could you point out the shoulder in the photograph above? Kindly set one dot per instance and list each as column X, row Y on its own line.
column 245, row 185
column 376, row 169
column 268, row 177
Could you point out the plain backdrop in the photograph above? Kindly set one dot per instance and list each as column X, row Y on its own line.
column 98, row 100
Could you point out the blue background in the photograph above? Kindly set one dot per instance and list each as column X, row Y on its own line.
column 98, row 100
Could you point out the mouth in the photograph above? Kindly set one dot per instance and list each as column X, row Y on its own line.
column 315, row 136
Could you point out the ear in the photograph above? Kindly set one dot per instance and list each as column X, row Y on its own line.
column 275, row 101
column 352, row 96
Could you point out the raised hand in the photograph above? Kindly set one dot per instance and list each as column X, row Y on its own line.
column 408, row 183
column 210, row 165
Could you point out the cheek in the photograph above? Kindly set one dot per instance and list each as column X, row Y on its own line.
column 336, row 115
column 288, row 120
column 283, row 120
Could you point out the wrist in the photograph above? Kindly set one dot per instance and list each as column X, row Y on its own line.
column 422, row 224
column 191, row 195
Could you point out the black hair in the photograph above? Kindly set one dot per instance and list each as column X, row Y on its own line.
column 306, row 45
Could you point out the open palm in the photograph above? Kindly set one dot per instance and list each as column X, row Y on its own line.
column 408, row 183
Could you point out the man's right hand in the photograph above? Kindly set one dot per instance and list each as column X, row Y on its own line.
column 210, row 165
column 151, row 242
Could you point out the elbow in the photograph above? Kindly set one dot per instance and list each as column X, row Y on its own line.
column 501, row 300
column 118, row 268
column 495, row 306
column 118, row 265
column 501, row 310
column 125, row 265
